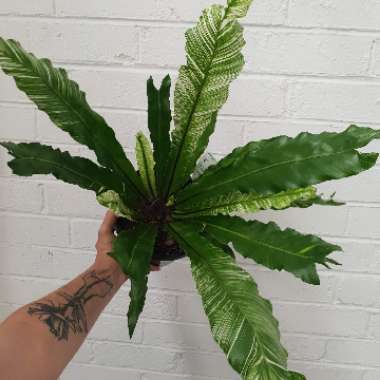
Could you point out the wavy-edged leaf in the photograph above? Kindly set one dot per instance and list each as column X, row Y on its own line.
column 214, row 59
column 34, row 158
column 317, row 200
column 112, row 200
column 272, row 247
column 66, row 105
column 241, row 320
column 283, row 163
column 159, row 119
column 145, row 162
column 133, row 250
column 238, row 202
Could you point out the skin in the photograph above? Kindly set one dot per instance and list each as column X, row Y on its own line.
column 38, row 340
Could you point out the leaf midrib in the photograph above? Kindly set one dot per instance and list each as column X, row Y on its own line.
column 54, row 164
column 242, row 201
column 256, row 171
column 236, row 304
column 258, row 242
column 179, row 152
column 72, row 110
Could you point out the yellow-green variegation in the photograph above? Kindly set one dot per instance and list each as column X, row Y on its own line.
column 173, row 198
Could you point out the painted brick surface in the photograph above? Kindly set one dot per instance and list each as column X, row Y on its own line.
column 310, row 66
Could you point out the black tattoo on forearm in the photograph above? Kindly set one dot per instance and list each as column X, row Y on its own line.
column 70, row 315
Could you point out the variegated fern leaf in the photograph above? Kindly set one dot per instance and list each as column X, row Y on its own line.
column 170, row 195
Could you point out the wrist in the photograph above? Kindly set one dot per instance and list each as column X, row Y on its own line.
column 114, row 270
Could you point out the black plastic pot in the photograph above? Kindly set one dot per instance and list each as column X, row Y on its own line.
column 166, row 250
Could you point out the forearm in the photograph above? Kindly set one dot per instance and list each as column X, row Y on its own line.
column 39, row 339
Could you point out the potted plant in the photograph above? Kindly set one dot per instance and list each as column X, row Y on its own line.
column 166, row 211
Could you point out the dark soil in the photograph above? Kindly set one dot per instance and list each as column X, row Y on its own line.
column 165, row 249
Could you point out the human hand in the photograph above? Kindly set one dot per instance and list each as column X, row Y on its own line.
column 106, row 236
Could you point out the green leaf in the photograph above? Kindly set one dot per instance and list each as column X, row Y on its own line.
column 34, row 158
column 238, row 8
column 159, row 118
column 113, row 201
column 66, row 105
column 133, row 250
column 145, row 162
column 214, row 60
column 241, row 321
column 272, row 247
column 283, row 163
column 238, row 202
column 317, row 200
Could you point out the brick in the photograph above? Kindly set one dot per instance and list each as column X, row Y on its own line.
column 111, row 328
column 75, row 42
column 358, row 290
column 307, row 53
column 84, row 355
column 264, row 129
column 18, row 195
column 190, row 309
column 163, row 46
column 227, row 136
column 335, row 14
column 134, row 357
column 355, row 101
column 376, row 58
column 323, row 370
column 34, row 230
column 270, row 12
column 147, row 9
column 304, row 348
column 48, row 133
column 309, row 220
column 119, row 89
column 321, row 320
column 44, row 262
column 22, row 291
column 127, row 90
column 127, row 125
column 66, row 199
column 195, row 337
column 363, row 222
column 157, row 305
column 177, row 276
column 363, row 187
column 83, row 371
column 9, row 91
column 360, row 256
column 17, row 123
column 5, row 171
column 374, row 326
column 6, row 310
column 205, row 364
column 84, row 233
column 256, row 97
column 353, row 352
column 285, row 287
column 21, row 7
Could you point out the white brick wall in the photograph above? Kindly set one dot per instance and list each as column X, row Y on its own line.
column 311, row 65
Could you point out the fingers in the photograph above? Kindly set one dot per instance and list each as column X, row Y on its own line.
column 108, row 224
